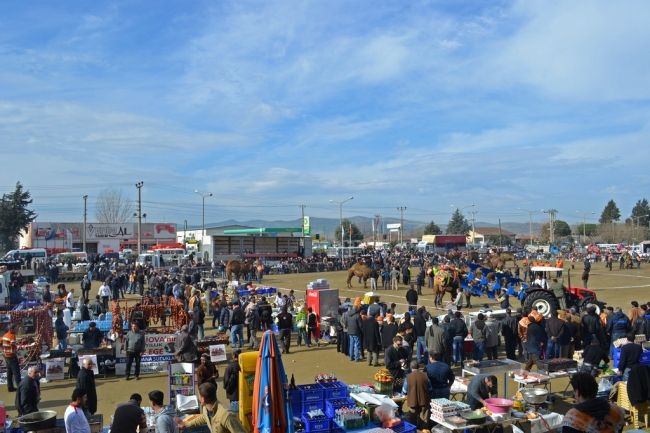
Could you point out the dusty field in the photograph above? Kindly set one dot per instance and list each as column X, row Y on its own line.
column 617, row 288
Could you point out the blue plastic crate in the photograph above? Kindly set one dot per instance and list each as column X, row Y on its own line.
column 295, row 397
column 319, row 424
column 308, row 406
column 312, row 392
column 404, row 427
column 337, row 403
column 334, row 390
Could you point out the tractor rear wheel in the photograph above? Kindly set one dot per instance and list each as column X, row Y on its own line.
column 544, row 300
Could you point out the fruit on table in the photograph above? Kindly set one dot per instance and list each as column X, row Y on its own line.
column 383, row 376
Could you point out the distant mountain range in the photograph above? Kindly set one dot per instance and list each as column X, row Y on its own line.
column 327, row 226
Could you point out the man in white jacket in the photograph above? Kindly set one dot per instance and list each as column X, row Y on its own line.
column 74, row 417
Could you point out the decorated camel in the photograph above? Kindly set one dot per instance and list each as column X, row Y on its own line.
column 237, row 268
column 446, row 280
column 360, row 270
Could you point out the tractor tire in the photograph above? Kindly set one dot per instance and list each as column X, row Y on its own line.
column 582, row 305
column 544, row 300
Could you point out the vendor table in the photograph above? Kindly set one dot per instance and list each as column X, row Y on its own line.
column 493, row 367
column 554, row 420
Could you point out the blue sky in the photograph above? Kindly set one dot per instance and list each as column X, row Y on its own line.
column 271, row 104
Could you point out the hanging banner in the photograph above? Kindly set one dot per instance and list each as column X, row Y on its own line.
column 218, row 353
column 158, row 352
column 54, row 369
column 306, row 225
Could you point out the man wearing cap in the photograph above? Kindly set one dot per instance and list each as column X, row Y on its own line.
column 92, row 337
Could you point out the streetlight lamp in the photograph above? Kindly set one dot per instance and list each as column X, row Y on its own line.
column 530, row 223
column 584, row 224
column 85, row 197
column 340, row 203
column 637, row 218
column 139, row 186
column 203, row 196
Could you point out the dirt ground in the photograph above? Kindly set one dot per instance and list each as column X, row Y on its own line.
column 617, row 288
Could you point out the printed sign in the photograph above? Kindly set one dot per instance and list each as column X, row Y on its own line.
column 159, row 351
column 218, row 353
column 55, row 369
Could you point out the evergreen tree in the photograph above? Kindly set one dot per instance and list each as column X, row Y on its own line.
column 432, row 229
column 610, row 214
column 458, row 224
column 560, row 229
column 356, row 233
column 14, row 216
column 640, row 213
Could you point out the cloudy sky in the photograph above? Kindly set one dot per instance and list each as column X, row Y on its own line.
column 271, row 104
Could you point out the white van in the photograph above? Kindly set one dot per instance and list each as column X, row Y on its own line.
column 36, row 253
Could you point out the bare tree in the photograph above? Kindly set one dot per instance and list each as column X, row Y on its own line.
column 113, row 207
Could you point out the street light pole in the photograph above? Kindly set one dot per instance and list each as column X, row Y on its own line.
column 85, row 214
column 584, row 225
column 139, row 185
column 203, row 196
column 340, row 203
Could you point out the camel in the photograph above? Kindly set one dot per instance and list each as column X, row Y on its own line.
column 445, row 280
column 498, row 261
column 237, row 268
column 360, row 270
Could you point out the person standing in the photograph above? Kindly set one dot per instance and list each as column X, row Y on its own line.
column 312, row 327
column 301, row 325
column 371, row 339
column 164, row 415
column 129, row 416
column 85, row 287
column 285, row 325
column 69, row 301
column 215, row 416
column 394, row 278
column 104, row 293
column 86, row 384
column 354, row 333
column 231, row 381
column 479, row 333
column 206, row 371
column 458, row 329
column 9, row 351
column 28, row 393
column 412, row 298
column 535, row 341
column 237, row 320
column 509, row 332
column 492, row 341
column 74, row 419
column 135, row 345
column 418, row 398
column 555, row 330
column 420, row 329
column 435, row 338
column 186, row 350
column 440, row 376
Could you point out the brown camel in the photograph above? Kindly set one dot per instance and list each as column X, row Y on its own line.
column 237, row 268
column 360, row 270
column 498, row 261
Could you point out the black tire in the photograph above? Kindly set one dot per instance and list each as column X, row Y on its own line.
column 582, row 306
column 545, row 301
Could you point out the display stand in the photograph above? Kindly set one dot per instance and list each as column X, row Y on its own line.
column 181, row 380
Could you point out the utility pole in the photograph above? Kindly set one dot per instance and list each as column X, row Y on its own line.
column 473, row 212
column 302, row 212
column 551, row 224
column 139, row 185
column 500, row 240
column 401, row 210
column 83, row 248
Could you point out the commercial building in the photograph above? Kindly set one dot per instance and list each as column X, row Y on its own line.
column 100, row 238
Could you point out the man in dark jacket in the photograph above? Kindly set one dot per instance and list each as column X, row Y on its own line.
column 186, row 350
column 412, row 298
column 134, row 342
column 28, row 393
column 592, row 328
column 371, row 339
column 231, row 380
column 354, row 333
column 481, row 387
column 618, row 325
column 440, row 376
column 458, row 331
column 388, row 331
column 395, row 357
column 86, row 382
column 419, row 329
column 555, row 329
column 630, row 356
column 92, row 337
column 285, row 325
column 535, row 341
column 509, row 332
